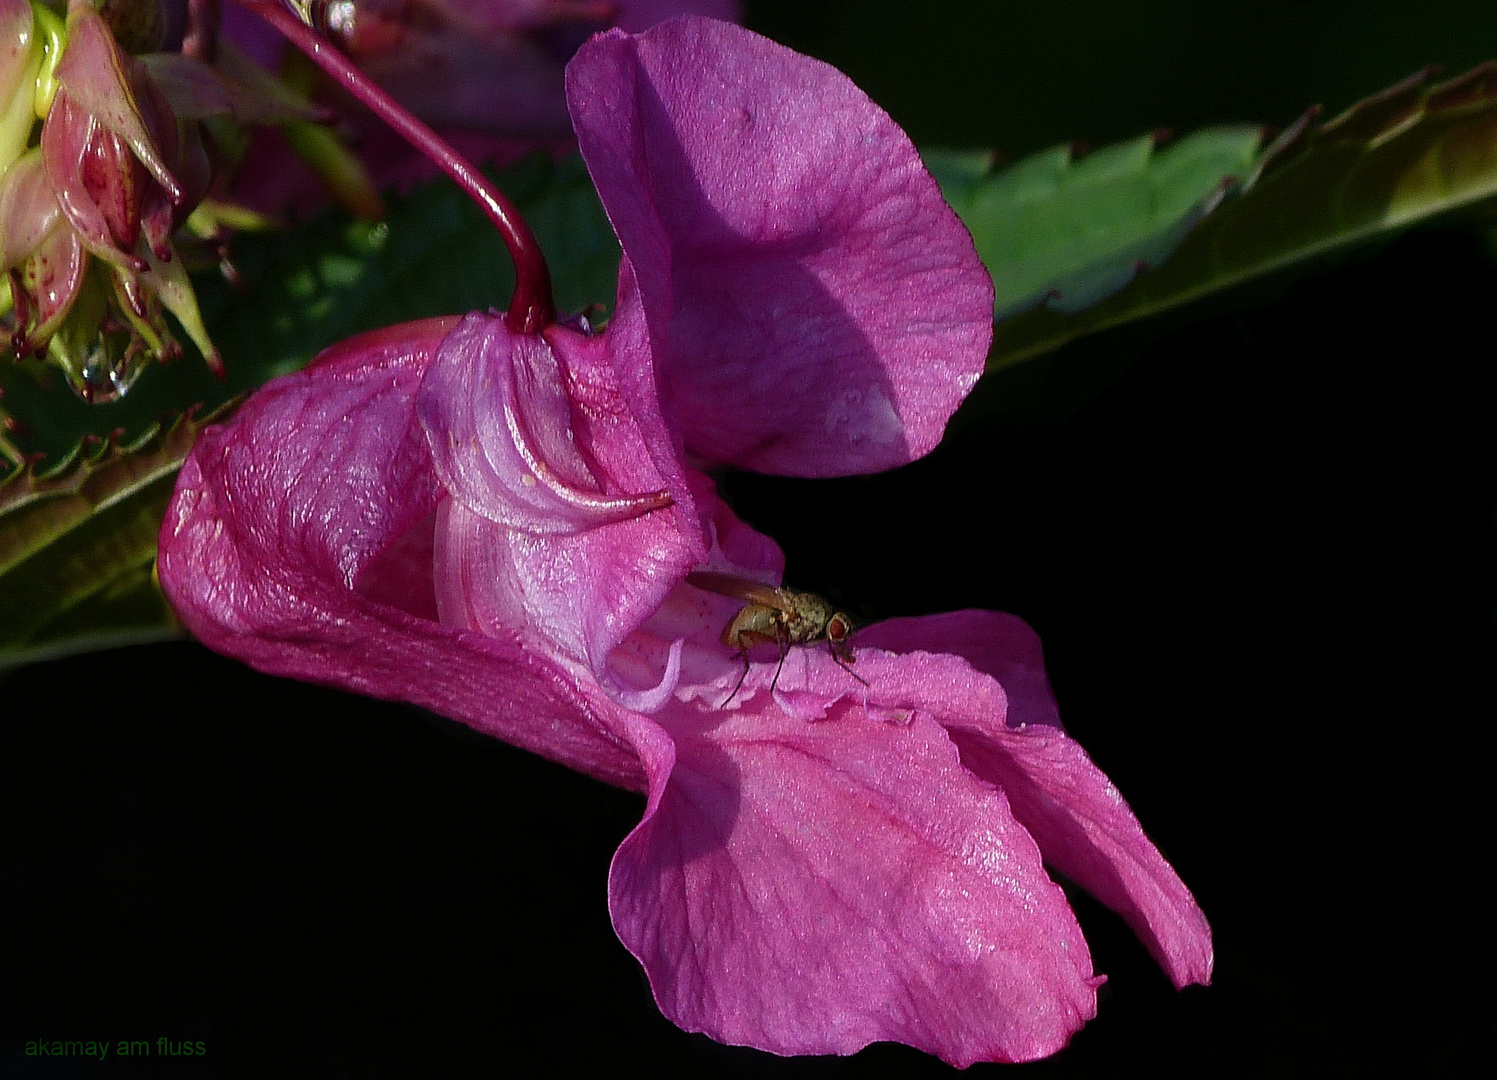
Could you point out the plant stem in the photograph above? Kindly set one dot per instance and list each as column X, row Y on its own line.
column 531, row 309
column 200, row 39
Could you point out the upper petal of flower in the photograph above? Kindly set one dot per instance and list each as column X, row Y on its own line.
column 289, row 544
column 814, row 306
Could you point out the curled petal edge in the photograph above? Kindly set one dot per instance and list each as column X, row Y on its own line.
column 504, row 396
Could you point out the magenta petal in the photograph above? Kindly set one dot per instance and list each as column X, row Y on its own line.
column 1089, row 834
column 1084, row 828
column 813, row 887
column 572, row 517
column 498, row 420
column 993, row 642
column 504, row 83
column 815, row 308
column 278, row 514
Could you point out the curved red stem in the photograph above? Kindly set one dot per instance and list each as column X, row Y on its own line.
column 531, row 309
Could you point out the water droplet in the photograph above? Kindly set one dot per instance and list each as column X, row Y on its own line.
column 109, row 370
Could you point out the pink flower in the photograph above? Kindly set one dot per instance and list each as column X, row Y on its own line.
column 499, row 527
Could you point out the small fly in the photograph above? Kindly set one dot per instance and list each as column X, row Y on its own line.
column 782, row 617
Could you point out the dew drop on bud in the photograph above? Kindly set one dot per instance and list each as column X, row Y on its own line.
column 109, row 370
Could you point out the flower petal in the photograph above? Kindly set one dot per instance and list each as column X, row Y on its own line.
column 1089, row 834
column 506, row 83
column 814, row 306
column 280, row 513
column 498, row 419
column 993, row 642
column 813, row 887
column 572, row 516
column 1084, row 828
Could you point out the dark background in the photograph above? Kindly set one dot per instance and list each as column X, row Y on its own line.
column 1258, row 541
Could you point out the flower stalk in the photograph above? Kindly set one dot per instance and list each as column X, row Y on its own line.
column 531, row 308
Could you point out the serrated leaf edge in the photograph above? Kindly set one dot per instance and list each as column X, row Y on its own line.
column 90, row 458
column 1375, row 120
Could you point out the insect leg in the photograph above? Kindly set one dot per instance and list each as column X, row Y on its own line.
column 841, row 663
column 782, row 639
column 739, row 685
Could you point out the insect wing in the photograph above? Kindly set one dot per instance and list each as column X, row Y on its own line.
column 737, row 588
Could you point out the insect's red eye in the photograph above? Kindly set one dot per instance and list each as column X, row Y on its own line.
column 836, row 628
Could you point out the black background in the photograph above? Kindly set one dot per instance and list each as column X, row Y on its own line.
column 1258, row 542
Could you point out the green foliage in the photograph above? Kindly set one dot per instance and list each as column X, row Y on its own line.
column 1405, row 155
column 78, row 542
column 1065, row 231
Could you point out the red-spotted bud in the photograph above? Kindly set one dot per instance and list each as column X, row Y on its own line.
column 87, row 216
column 41, row 252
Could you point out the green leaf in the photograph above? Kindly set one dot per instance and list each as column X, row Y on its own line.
column 306, row 288
column 435, row 254
column 77, row 546
column 1405, row 155
column 1066, row 231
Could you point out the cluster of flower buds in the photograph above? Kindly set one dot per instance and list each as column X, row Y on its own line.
column 103, row 155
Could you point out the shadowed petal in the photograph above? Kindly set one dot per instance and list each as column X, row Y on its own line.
column 814, row 306
column 993, row 642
